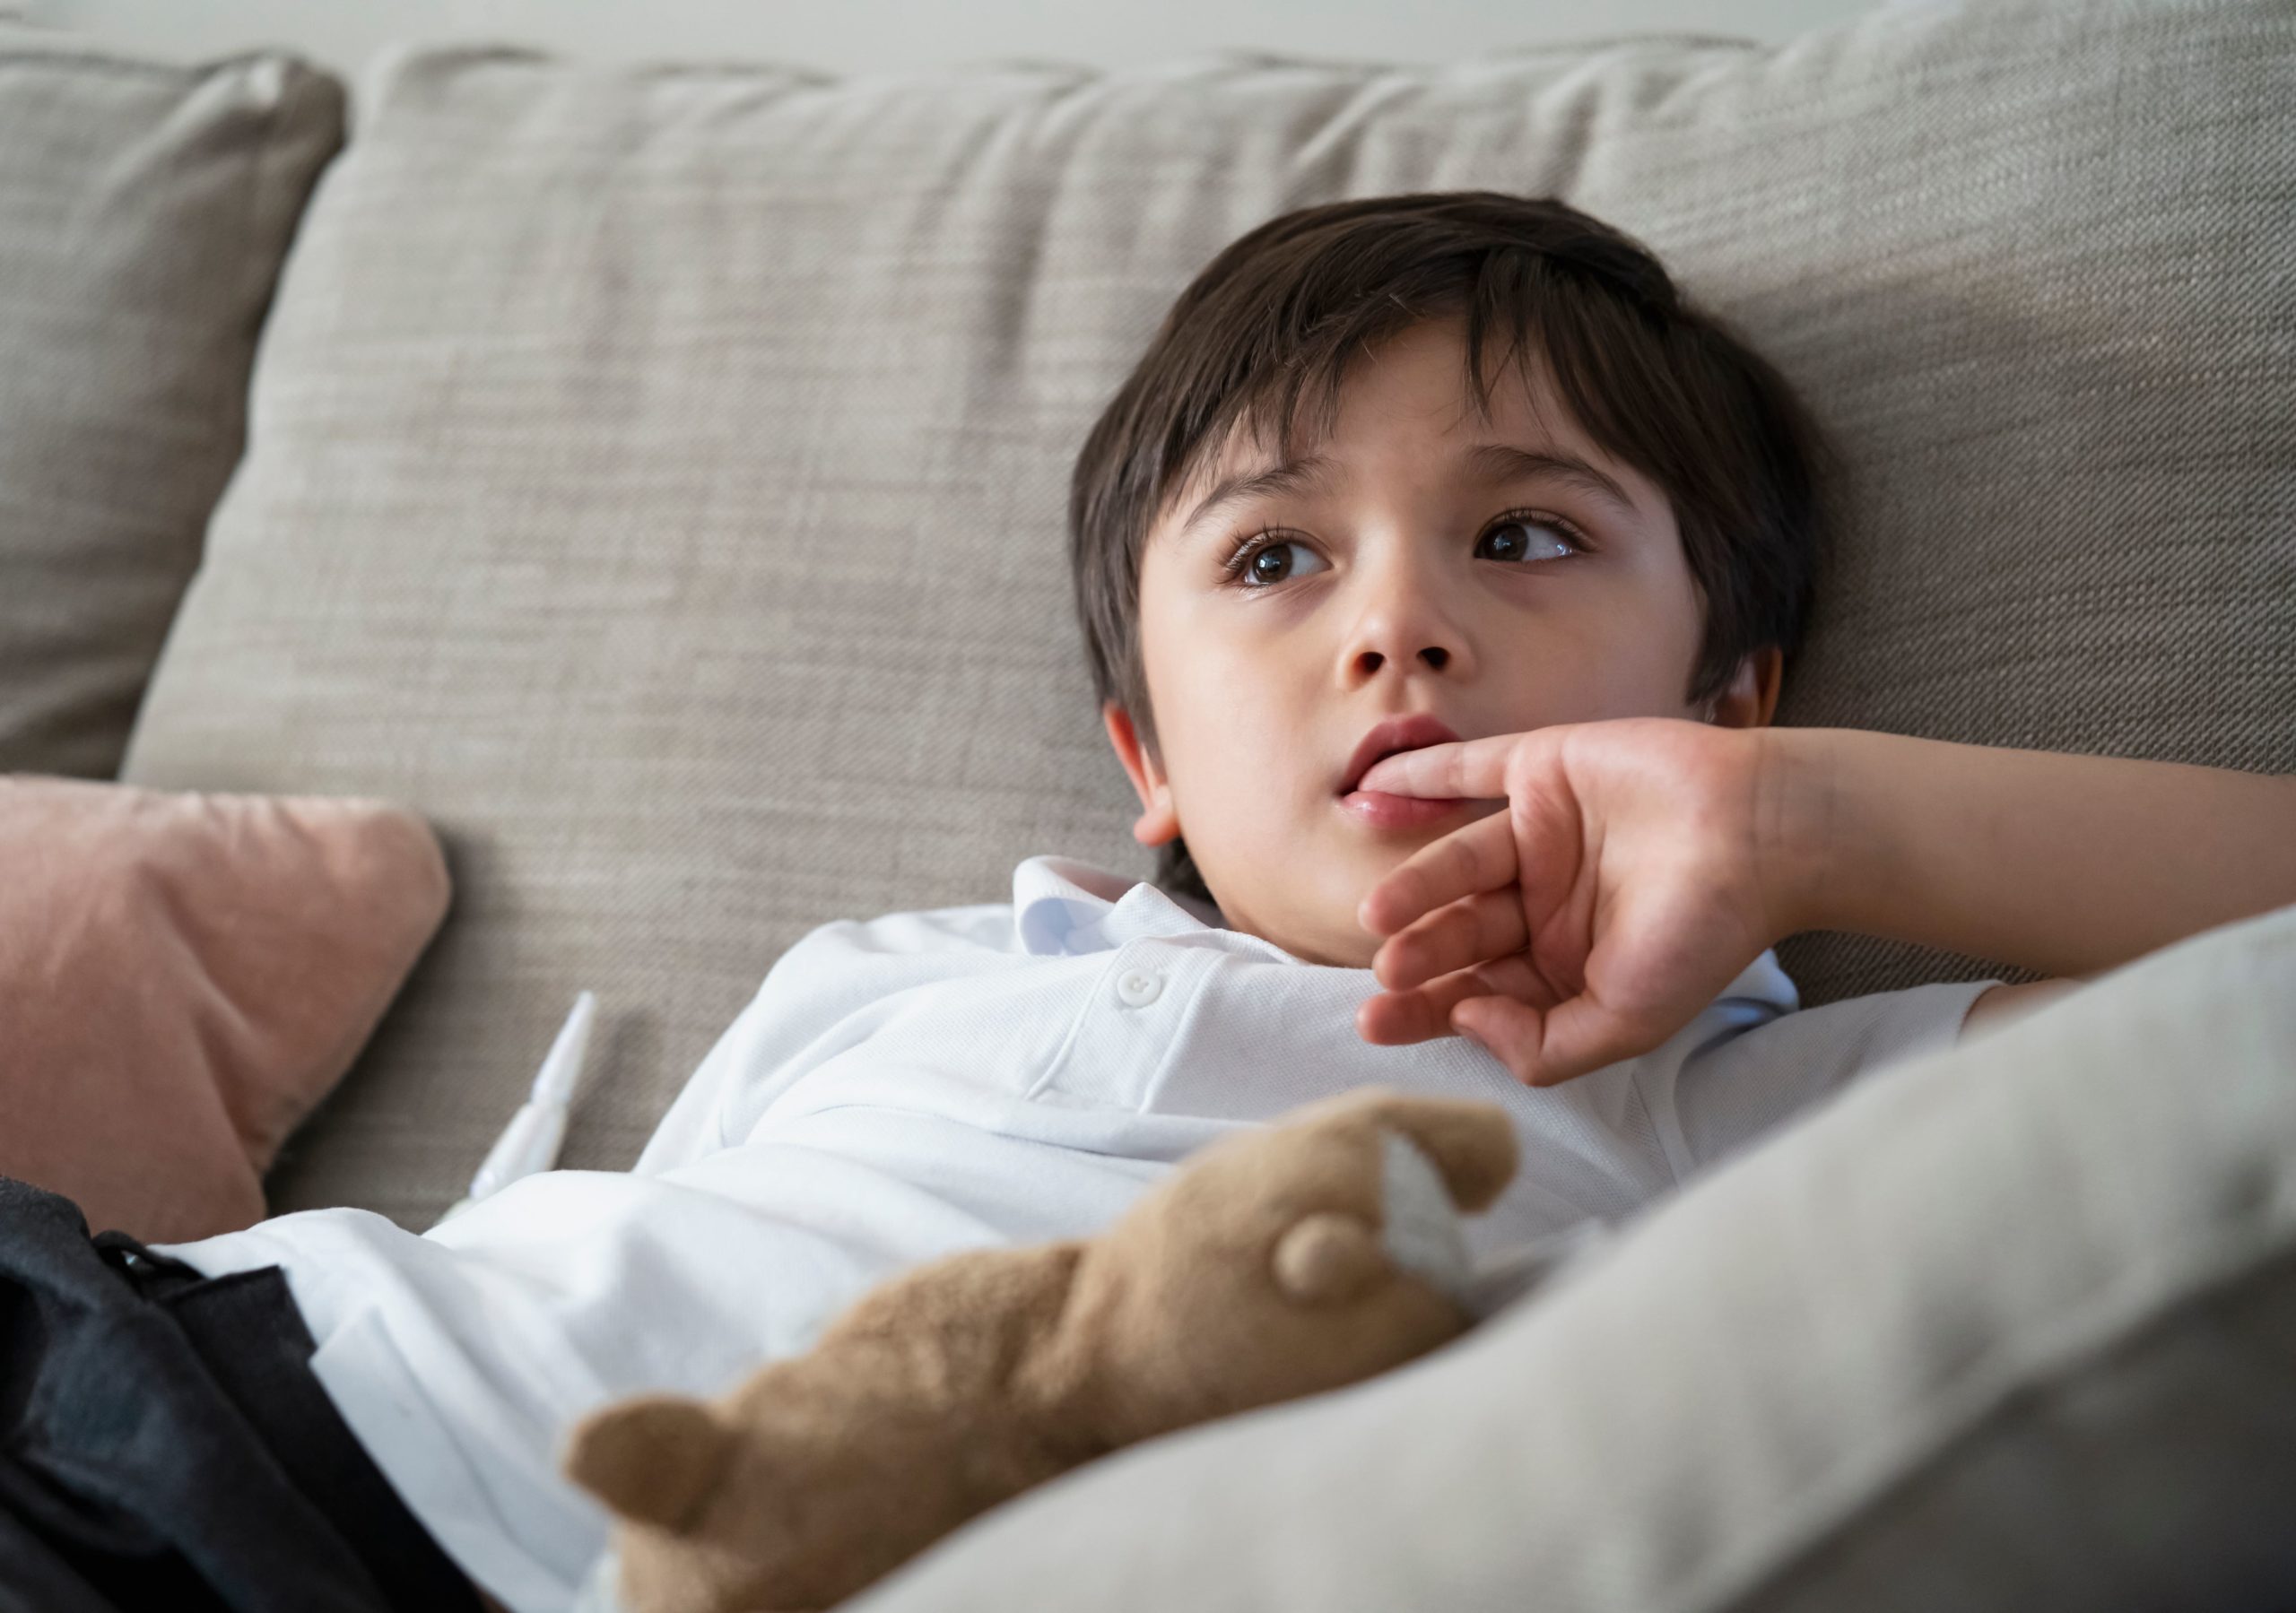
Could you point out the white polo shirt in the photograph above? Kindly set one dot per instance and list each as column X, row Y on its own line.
column 913, row 1085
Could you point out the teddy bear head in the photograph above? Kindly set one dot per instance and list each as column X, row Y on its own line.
column 1281, row 1261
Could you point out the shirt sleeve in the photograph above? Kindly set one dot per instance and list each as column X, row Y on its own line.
column 1734, row 1091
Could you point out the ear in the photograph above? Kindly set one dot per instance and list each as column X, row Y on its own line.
column 1753, row 695
column 1472, row 1146
column 1470, row 1142
column 1158, row 822
column 653, row 1459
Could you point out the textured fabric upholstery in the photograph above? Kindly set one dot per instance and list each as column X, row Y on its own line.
column 182, row 977
column 143, row 212
column 655, row 475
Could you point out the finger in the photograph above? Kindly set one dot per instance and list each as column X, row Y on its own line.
column 1425, row 1013
column 1545, row 1047
column 1473, row 858
column 1584, row 1034
column 1455, row 936
column 1475, row 770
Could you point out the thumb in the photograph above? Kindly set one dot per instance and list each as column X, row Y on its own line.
column 1544, row 1049
column 1506, row 1029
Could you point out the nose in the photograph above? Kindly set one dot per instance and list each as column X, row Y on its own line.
column 1401, row 625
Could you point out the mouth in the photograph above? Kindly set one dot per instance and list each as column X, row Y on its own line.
column 1376, row 809
column 1386, row 739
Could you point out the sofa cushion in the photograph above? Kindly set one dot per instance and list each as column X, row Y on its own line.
column 2007, row 1328
column 143, row 212
column 182, row 977
column 656, row 476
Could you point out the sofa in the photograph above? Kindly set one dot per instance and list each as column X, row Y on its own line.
column 654, row 475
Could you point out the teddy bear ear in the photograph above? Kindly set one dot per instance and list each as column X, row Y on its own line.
column 651, row 1459
column 1471, row 1143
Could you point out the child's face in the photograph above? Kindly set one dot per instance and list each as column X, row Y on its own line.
column 1415, row 578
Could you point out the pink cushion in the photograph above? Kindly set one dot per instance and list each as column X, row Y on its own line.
column 183, row 977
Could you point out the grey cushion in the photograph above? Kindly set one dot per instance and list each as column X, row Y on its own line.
column 2004, row 1329
column 657, row 474
column 145, row 210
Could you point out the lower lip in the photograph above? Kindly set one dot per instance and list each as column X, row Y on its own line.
column 1379, row 810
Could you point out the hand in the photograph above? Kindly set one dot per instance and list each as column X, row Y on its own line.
column 1634, row 873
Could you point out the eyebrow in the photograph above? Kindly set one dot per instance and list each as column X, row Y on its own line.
column 1504, row 462
column 1292, row 476
column 1492, row 460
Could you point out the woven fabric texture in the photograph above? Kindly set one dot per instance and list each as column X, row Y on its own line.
column 144, row 211
column 657, row 474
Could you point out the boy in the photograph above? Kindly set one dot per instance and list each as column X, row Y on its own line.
column 1561, row 580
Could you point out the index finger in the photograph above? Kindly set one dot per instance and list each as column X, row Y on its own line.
column 1477, row 857
column 1471, row 769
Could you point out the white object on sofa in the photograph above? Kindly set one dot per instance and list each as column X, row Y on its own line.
column 531, row 1140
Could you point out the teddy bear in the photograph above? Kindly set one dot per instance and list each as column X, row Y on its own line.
column 1278, row 1261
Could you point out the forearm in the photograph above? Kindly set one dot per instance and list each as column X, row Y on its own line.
column 2067, row 864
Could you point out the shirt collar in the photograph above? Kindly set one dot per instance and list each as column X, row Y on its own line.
column 1061, row 905
column 1064, row 906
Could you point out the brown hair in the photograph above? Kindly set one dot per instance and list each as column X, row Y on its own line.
column 1657, row 382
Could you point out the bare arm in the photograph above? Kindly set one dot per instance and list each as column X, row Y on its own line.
column 2067, row 864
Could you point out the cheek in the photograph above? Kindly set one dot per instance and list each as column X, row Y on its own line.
column 1609, row 653
column 1229, row 728
column 1238, row 728
column 1210, row 676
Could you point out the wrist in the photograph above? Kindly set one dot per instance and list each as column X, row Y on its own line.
column 1798, row 817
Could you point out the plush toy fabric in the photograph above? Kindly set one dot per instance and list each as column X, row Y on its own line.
column 1279, row 1262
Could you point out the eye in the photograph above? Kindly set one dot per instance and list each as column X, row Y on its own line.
column 1264, row 558
column 1517, row 535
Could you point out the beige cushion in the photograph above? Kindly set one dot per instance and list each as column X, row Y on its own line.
column 182, row 977
column 143, row 212
column 657, row 475
column 2004, row 1329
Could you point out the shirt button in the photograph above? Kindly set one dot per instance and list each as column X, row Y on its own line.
column 1138, row 987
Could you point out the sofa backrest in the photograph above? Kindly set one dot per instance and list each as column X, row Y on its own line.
column 656, row 476
column 144, row 211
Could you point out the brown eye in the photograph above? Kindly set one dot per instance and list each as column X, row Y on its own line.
column 1519, row 537
column 1263, row 561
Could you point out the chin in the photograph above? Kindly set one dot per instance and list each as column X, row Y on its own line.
column 1339, row 943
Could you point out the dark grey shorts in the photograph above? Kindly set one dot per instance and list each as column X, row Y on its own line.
column 163, row 1444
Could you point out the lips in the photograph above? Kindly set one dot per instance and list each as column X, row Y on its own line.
column 1411, row 732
